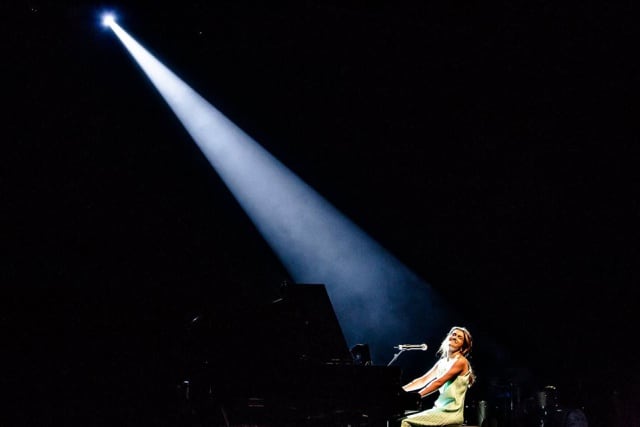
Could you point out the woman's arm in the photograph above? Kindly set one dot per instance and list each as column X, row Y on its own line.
column 422, row 381
column 459, row 367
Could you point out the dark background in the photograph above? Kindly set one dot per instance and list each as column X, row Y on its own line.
column 488, row 146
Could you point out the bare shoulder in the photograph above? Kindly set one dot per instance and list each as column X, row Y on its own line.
column 461, row 364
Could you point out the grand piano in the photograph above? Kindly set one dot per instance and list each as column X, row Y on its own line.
column 287, row 363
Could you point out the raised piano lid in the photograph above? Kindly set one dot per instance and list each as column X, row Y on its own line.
column 308, row 328
column 298, row 327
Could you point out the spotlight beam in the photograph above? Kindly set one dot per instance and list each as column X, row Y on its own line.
column 377, row 299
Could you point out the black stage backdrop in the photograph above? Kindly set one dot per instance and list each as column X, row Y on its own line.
column 487, row 146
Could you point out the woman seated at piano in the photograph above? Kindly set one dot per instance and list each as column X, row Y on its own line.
column 451, row 376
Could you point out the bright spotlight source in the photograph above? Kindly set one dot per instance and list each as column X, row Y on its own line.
column 108, row 19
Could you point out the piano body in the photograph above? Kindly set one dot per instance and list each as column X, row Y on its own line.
column 287, row 363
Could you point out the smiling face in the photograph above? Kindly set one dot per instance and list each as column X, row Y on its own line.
column 456, row 340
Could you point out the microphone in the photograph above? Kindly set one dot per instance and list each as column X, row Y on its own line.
column 402, row 347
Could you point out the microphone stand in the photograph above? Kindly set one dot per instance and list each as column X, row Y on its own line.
column 395, row 356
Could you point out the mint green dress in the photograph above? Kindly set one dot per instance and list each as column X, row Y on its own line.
column 449, row 406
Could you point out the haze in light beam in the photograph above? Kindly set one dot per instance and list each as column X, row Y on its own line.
column 376, row 298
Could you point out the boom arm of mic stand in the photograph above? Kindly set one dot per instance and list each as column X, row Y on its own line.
column 395, row 356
